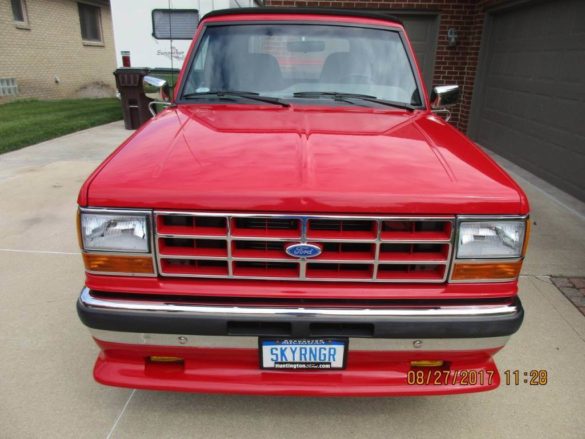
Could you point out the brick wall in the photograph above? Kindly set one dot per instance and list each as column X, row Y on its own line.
column 453, row 65
column 51, row 46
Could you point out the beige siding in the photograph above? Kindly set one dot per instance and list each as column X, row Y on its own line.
column 51, row 47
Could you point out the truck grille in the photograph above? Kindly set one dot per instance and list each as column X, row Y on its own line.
column 353, row 249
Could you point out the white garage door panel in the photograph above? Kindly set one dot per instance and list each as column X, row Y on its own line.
column 530, row 105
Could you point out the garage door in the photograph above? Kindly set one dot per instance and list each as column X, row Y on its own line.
column 422, row 31
column 530, row 101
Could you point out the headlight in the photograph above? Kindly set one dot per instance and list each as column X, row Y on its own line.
column 491, row 239
column 114, row 232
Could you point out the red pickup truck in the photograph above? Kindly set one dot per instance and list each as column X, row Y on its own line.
column 300, row 221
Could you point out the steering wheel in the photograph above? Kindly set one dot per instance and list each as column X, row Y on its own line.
column 356, row 77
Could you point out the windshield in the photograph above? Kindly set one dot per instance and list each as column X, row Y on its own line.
column 279, row 60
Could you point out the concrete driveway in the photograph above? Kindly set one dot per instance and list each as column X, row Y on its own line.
column 46, row 387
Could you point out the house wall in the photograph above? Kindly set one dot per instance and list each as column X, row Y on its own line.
column 48, row 57
column 453, row 65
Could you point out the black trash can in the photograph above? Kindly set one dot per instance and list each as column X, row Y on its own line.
column 134, row 102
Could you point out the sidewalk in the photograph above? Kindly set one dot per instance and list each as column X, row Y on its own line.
column 45, row 378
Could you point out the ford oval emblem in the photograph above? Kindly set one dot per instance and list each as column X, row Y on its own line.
column 303, row 250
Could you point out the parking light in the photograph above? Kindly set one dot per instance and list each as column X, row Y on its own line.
column 427, row 363
column 488, row 270
column 118, row 264
column 164, row 359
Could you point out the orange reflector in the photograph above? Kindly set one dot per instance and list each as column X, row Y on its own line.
column 486, row 270
column 118, row 264
column 161, row 359
column 426, row 363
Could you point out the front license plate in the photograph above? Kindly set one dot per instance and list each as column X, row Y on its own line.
column 294, row 353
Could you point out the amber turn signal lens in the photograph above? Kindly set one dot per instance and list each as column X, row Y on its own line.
column 118, row 264
column 486, row 271
column 161, row 359
column 427, row 363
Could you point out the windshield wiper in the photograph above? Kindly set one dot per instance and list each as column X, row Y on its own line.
column 238, row 94
column 346, row 96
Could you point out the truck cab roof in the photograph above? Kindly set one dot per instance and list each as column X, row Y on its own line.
column 379, row 15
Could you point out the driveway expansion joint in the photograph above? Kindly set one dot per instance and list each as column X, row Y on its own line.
column 573, row 288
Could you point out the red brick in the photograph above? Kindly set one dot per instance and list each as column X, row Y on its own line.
column 578, row 282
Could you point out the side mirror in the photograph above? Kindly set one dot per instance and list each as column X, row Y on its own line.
column 164, row 92
column 444, row 96
column 162, row 85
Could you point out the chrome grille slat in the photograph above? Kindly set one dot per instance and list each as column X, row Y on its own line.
column 377, row 250
column 262, row 238
column 347, row 263
column 313, row 261
column 229, row 247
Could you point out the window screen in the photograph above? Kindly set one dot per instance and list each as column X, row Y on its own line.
column 174, row 24
column 89, row 18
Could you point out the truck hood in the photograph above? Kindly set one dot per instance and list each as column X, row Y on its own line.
column 302, row 159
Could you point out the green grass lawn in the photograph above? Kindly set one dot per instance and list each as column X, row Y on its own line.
column 27, row 122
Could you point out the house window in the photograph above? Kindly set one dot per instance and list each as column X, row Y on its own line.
column 19, row 11
column 91, row 23
column 175, row 24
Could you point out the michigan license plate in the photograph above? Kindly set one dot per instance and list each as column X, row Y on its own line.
column 302, row 354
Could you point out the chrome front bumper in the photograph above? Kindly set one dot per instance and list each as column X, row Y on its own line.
column 243, row 342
